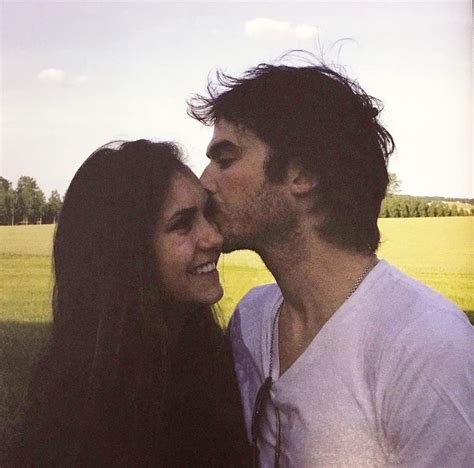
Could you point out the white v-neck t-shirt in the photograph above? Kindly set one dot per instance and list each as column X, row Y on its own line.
column 388, row 380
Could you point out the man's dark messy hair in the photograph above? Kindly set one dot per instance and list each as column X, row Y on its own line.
column 321, row 120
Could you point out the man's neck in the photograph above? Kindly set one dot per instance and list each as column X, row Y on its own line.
column 315, row 277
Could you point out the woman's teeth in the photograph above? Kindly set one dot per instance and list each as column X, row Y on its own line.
column 206, row 268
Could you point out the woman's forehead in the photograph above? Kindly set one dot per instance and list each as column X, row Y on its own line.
column 186, row 189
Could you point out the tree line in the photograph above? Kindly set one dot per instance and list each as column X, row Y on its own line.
column 27, row 204
column 407, row 206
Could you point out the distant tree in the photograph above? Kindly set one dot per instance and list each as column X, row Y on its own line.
column 53, row 207
column 4, row 184
column 38, row 208
column 396, row 211
column 394, row 184
column 411, row 210
column 438, row 208
column 444, row 209
column 385, row 207
column 6, row 200
column 405, row 212
column 28, row 199
column 431, row 211
column 415, row 208
column 383, row 212
column 423, row 208
column 407, row 206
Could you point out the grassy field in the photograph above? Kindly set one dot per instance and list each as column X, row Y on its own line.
column 438, row 251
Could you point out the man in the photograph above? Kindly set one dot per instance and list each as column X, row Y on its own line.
column 346, row 361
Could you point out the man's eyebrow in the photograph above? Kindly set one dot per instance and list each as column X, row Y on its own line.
column 220, row 146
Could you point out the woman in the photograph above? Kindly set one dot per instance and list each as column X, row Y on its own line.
column 137, row 372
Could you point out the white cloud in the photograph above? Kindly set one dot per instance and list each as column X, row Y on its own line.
column 51, row 75
column 267, row 29
column 305, row 31
column 58, row 76
column 79, row 79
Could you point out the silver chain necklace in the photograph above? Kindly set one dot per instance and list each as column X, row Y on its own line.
column 354, row 288
column 359, row 280
column 357, row 283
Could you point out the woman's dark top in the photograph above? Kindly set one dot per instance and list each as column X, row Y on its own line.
column 214, row 433
column 201, row 422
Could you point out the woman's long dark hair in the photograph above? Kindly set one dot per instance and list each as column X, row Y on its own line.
column 121, row 384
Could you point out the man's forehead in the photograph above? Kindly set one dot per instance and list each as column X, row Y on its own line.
column 235, row 133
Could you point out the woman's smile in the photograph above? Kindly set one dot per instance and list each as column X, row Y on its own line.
column 188, row 244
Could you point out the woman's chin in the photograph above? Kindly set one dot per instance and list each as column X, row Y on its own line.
column 211, row 297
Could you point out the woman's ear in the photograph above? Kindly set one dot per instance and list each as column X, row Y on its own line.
column 300, row 182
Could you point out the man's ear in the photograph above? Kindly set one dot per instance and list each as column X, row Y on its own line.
column 300, row 181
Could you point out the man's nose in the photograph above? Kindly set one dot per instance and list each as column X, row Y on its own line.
column 207, row 180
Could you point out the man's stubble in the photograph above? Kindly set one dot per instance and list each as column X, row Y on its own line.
column 262, row 219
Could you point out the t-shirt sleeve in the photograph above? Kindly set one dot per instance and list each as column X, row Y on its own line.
column 245, row 330
column 426, row 397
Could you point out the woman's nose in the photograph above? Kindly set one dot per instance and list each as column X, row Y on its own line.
column 211, row 238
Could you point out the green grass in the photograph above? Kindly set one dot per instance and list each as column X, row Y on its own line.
column 26, row 240
column 21, row 344
column 437, row 251
column 25, row 288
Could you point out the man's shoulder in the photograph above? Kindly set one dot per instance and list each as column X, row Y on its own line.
column 406, row 300
column 247, row 327
column 397, row 317
column 410, row 318
column 255, row 306
column 259, row 296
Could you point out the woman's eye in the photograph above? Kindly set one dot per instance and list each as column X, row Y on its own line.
column 183, row 225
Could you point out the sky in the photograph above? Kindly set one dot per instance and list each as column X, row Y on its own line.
column 76, row 75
